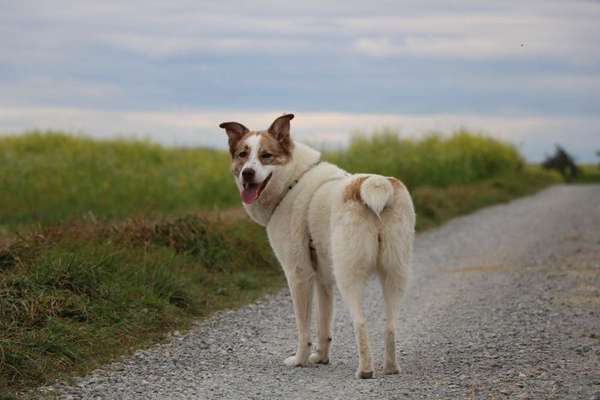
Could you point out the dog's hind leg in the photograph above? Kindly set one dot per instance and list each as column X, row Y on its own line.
column 353, row 295
column 325, row 314
column 393, row 268
column 392, row 292
column 354, row 258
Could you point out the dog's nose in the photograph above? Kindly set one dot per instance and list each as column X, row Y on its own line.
column 248, row 174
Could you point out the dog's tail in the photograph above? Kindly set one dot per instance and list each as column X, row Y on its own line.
column 376, row 192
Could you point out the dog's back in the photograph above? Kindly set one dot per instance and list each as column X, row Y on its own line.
column 366, row 221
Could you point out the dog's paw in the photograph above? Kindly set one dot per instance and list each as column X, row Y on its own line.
column 364, row 374
column 316, row 358
column 292, row 362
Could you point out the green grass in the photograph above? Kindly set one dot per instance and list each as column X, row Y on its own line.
column 123, row 244
column 433, row 160
column 73, row 297
column 589, row 173
column 49, row 177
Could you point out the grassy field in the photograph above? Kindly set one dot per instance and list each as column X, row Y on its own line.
column 431, row 161
column 108, row 246
column 589, row 173
column 49, row 177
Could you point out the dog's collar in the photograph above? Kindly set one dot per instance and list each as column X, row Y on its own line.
column 291, row 186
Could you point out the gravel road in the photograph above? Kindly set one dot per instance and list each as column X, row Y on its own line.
column 505, row 304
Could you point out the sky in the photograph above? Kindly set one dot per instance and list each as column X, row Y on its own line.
column 527, row 72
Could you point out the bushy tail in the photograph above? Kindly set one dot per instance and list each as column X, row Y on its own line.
column 376, row 192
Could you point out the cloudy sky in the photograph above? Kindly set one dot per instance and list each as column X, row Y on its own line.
column 172, row 71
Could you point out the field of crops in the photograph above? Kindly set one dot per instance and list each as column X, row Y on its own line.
column 106, row 246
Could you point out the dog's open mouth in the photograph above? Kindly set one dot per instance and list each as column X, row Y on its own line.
column 251, row 191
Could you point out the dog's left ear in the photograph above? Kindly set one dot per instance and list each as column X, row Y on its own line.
column 280, row 130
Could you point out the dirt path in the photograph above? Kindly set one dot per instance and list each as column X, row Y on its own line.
column 505, row 304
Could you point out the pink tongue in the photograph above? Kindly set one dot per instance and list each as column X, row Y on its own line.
column 250, row 194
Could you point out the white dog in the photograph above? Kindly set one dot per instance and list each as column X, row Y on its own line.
column 326, row 226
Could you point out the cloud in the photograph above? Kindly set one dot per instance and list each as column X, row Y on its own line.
column 160, row 45
column 45, row 90
column 479, row 36
column 469, row 48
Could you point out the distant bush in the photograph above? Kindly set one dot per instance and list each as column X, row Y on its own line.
column 434, row 160
column 562, row 162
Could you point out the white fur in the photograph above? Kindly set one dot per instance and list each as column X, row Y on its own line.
column 352, row 240
column 376, row 191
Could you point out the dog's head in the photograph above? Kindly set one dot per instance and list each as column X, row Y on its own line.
column 256, row 155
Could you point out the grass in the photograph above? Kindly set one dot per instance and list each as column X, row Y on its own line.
column 75, row 296
column 123, row 243
column 433, row 160
column 589, row 173
column 49, row 177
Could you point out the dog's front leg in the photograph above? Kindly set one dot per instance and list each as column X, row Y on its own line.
column 301, row 288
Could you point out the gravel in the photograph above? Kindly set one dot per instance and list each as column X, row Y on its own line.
column 505, row 304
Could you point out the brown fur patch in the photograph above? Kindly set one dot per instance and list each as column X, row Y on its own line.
column 240, row 146
column 352, row 191
column 280, row 153
column 396, row 183
column 236, row 144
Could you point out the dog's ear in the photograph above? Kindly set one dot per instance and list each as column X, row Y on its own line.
column 280, row 130
column 235, row 131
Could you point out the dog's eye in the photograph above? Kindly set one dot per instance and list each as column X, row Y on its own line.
column 242, row 154
column 266, row 156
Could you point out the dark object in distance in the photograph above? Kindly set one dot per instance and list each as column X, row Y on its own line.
column 563, row 163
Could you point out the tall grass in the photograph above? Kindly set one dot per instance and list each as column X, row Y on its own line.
column 434, row 160
column 47, row 177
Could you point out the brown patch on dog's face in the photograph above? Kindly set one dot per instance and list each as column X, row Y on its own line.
column 239, row 155
column 396, row 183
column 273, row 152
column 352, row 191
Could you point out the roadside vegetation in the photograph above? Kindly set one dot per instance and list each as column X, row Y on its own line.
column 107, row 246
column 47, row 177
column 589, row 173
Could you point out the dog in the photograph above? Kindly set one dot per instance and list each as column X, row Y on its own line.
column 326, row 227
